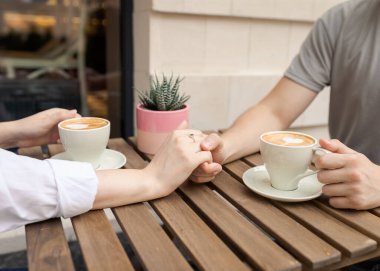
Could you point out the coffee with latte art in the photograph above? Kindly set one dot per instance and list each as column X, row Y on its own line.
column 288, row 139
column 84, row 123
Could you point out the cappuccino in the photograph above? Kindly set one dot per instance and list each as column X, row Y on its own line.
column 84, row 123
column 289, row 139
column 85, row 139
column 287, row 157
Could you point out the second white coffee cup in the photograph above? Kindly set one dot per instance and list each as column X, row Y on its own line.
column 85, row 139
column 287, row 157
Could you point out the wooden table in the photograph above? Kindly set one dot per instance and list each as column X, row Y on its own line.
column 221, row 225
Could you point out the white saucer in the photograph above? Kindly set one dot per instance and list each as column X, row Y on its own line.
column 110, row 159
column 257, row 179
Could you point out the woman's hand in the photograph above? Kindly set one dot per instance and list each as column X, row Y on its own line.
column 40, row 128
column 351, row 179
column 176, row 159
column 207, row 171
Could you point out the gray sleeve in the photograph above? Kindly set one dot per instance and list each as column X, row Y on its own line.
column 311, row 68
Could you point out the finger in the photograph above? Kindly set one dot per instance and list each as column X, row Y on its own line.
column 196, row 138
column 202, row 157
column 335, row 145
column 185, row 136
column 197, row 179
column 182, row 125
column 331, row 161
column 73, row 112
column 212, row 142
column 337, row 190
column 332, row 176
column 187, row 132
column 340, row 202
column 191, row 138
column 193, row 147
column 207, row 169
column 62, row 114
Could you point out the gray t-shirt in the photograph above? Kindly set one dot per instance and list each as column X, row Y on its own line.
column 343, row 51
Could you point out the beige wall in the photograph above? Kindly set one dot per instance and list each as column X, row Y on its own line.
column 231, row 52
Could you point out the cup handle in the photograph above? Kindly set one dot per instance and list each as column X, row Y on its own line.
column 317, row 152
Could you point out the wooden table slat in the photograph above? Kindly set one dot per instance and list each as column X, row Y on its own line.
column 376, row 211
column 236, row 169
column 139, row 225
column 47, row 246
column 305, row 245
column 101, row 248
column 205, row 247
column 207, row 250
column 96, row 237
column 159, row 253
column 363, row 221
column 347, row 239
column 257, row 247
column 211, row 232
column 134, row 160
column 332, row 229
column 254, row 159
column 350, row 261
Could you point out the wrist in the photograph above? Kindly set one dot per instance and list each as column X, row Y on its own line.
column 9, row 134
column 154, row 185
column 228, row 149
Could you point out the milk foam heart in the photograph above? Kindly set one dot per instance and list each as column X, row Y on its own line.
column 289, row 139
column 292, row 140
column 76, row 126
column 87, row 123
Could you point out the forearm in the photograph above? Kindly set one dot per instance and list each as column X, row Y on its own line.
column 121, row 187
column 8, row 134
column 276, row 111
column 253, row 123
column 170, row 167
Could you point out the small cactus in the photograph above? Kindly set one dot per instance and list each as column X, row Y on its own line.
column 163, row 94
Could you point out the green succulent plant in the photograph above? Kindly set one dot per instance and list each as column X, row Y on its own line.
column 164, row 94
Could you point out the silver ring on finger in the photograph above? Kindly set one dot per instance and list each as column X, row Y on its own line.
column 192, row 137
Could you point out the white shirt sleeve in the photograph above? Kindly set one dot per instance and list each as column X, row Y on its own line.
column 33, row 190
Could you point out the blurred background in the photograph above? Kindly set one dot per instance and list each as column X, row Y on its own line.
column 53, row 53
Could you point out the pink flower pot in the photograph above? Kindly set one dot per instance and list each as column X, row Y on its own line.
column 154, row 126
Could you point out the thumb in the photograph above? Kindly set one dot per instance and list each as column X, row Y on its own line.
column 211, row 142
column 62, row 114
column 335, row 146
column 72, row 113
column 182, row 125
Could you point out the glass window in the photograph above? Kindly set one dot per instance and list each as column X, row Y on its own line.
column 53, row 53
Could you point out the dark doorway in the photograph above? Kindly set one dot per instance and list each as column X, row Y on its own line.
column 120, row 67
column 127, row 68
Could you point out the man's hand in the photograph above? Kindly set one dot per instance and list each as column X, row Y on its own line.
column 41, row 128
column 351, row 179
column 207, row 171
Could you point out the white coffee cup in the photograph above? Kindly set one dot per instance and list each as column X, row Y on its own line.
column 85, row 139
column 287, row 157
